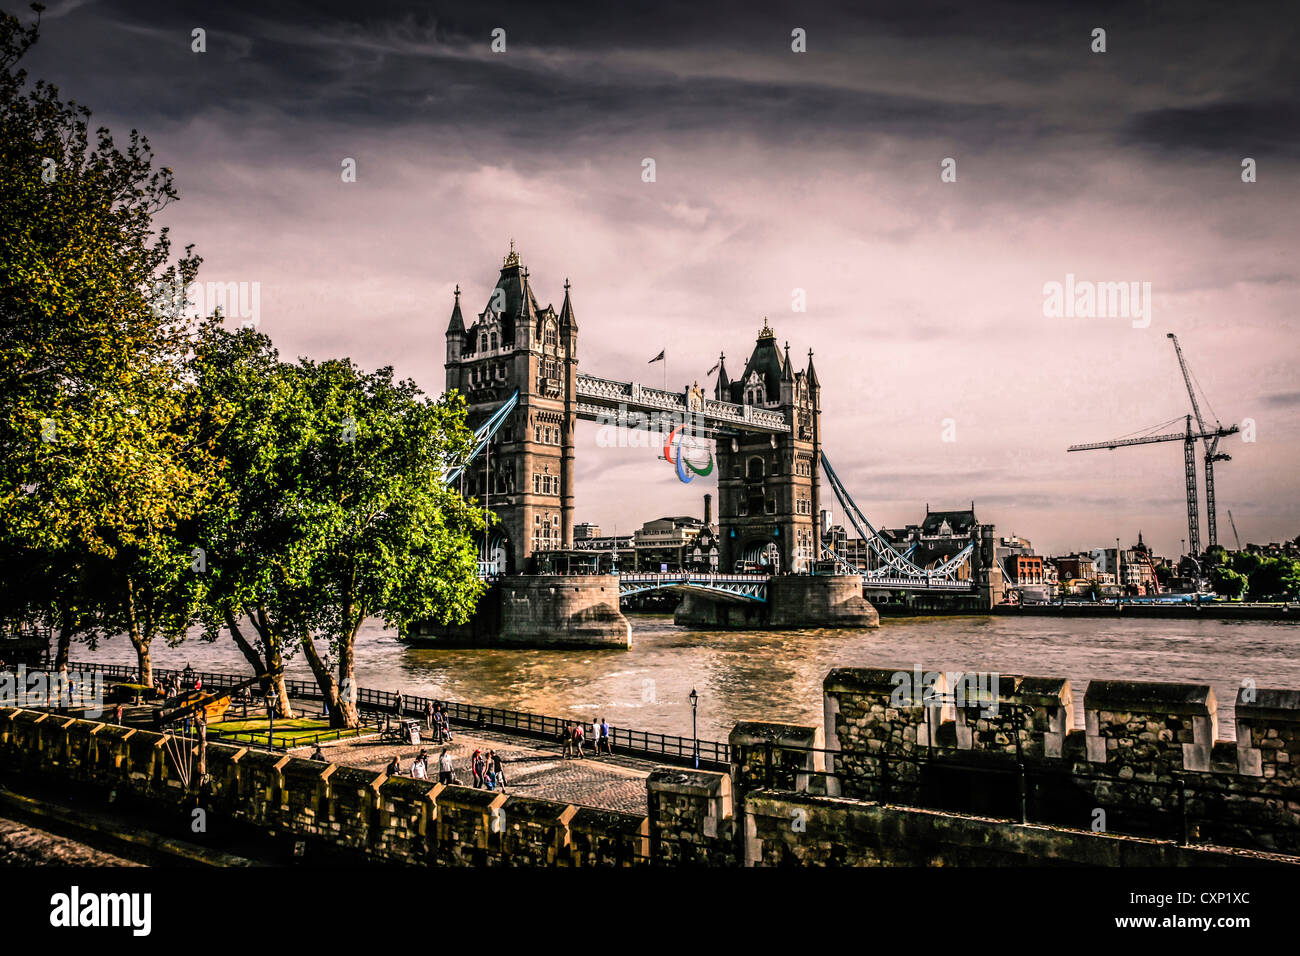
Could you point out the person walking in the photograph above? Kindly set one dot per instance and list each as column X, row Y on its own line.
column 577, row 740
column 605, row 737
column 394, row 768
column 444, row 767
column 419, row 770
column 497, row 768
column 318, row 754
column 428, row 716
column 476, row 767
column 567, row 739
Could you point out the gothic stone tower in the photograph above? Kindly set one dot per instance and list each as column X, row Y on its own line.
column 527, row 473
column 768, row 486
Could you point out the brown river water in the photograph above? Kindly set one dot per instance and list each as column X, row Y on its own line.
column 777, row 675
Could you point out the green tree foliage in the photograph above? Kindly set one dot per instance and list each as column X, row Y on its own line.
column 394, row 541
column 1227, row 582
column 332, row 509
column 1275, row 579
column 155, row 470
column 99, row 469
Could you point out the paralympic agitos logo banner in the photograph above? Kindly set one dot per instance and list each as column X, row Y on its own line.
column 690, row 456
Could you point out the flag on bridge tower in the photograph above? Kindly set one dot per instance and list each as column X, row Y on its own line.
column 714, row 369
column 657, row 358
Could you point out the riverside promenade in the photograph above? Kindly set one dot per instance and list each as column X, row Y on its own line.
column 532, row 768
column 529, row 744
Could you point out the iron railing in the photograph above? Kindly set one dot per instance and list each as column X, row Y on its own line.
column 641, row 743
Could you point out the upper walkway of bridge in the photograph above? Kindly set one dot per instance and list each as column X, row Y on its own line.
column 599, row 397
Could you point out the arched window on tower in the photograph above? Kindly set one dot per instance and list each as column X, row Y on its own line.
column 494, row 341
column 755, row 467
column 549, row 336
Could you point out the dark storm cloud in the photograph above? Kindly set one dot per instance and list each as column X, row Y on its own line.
column 1256, row 129
column 575, row 71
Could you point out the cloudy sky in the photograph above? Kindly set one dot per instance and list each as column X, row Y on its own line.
column 775, row 171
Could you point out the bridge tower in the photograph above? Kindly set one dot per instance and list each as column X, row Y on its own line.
column 526, row 475
column 769, row 489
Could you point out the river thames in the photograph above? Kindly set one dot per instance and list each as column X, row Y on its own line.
column 777, row 675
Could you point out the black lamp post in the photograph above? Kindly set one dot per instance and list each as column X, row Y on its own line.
column 270, row 713
column 695, row 735
column 187, row 675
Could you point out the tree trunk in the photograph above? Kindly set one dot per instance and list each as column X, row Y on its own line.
column 65, row 643
column 138, row 639
column 328, row 686
column 347, row 680
column 274, row 644
column 272, row 662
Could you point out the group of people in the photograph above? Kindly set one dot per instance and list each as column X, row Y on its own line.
column 435, row 718
column 575, row 735
column 169, row 685
column 485, row 766
column 420, row 766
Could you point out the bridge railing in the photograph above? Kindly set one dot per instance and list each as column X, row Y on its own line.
column 642, row 743
column 636, row 577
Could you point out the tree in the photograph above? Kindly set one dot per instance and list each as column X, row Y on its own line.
column 395, row 541
column 259, row 554
column 1227, row 582
column 333, row 509
column 1244, row 562
column 1276, row 579
column 98, row 468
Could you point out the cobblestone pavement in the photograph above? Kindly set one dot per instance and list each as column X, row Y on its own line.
column 24, row 845
column 533, row 768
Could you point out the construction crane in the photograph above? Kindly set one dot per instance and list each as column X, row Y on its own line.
column 1235, row 536
column 1189, row 439
column 1212, row 453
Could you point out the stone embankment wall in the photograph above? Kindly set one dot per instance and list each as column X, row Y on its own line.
column 884, row 782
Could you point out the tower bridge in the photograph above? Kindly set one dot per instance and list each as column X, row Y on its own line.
column 516, row 364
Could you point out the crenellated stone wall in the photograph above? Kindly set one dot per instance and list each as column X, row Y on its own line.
column 396, row 819
column 908, row 769
column 1147, row 760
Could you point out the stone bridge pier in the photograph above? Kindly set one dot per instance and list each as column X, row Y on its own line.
column 540, row 610
column 793, row 601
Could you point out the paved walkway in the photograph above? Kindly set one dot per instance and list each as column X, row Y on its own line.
column 533, row 768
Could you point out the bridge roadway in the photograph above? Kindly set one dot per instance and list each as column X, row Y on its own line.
column 737, row 587
column 745, row 587
column 609, row 402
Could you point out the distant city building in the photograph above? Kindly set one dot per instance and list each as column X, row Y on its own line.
column 582, row 532
column 1080, row 566
column 669, row 543
column 1134, row 569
